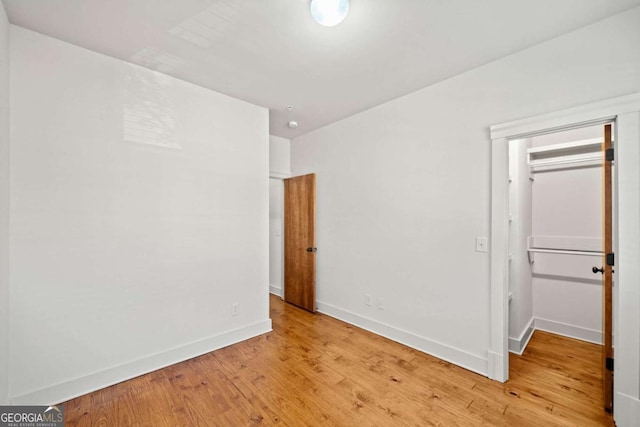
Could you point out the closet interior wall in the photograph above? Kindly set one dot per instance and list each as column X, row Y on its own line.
column 558, row 207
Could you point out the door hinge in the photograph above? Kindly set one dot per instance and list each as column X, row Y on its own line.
column 608, row 155
column 609, row 364
column 610, row 259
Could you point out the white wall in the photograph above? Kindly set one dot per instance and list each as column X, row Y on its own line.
column 279, row 155
column 567, row 204
column 139, row 211
column 279, row 167
column 4, row 207
column 520, row 281
column 403, row 189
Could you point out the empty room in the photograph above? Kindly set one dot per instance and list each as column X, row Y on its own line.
column 319, row 212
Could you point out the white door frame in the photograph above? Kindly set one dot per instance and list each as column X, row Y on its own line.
column 625, row 111
column 278, row 288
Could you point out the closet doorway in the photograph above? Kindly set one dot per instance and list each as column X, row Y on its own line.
column 559, row 238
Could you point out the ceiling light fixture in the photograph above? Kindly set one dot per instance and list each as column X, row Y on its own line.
column 329, row 12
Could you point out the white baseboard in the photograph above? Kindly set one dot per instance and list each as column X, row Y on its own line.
column 276, row 290
column 518, row 345
column 86, row 384
column 441, row 351
column 626, row 410
column 571, row 331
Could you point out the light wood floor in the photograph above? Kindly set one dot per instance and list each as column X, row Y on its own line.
column 315, row 370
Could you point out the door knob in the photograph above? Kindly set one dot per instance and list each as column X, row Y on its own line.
column 312, row 249
column 596, row 270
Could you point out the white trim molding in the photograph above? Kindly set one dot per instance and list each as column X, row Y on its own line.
column 86, row 384
column 625, row 112
column 627, row 410
column 572, row 118
column 445, row 352
column 279, row 175
column 567, row 330
column 275, row 290
column 626, row 289
column 518, row 345
column 499, row 254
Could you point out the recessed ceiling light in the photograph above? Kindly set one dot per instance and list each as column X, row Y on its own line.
column 329, row 12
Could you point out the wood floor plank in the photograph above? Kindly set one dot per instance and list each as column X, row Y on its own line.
column 316, row 370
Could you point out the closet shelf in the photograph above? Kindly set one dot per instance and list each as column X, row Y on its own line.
column 584, row 153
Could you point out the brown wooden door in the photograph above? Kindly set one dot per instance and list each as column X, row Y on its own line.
column 607, row 279
column 300, row 241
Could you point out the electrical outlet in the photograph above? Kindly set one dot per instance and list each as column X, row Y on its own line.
column 380, row 304
column 235, row 309
column 367, row 299
column 482, row 244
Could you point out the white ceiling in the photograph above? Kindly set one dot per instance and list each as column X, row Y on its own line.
column 271, row 53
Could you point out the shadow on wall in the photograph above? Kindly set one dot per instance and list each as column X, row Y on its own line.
column 147, row 116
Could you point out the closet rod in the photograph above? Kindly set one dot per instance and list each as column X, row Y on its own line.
column 565, row 251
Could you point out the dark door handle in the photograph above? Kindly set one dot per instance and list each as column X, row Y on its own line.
column 312, row 249
column 596, row 270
